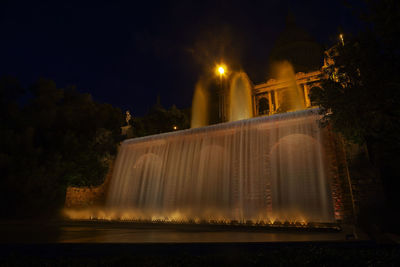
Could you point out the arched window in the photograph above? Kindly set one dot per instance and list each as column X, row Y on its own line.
column 263, row 106
column 314, row 88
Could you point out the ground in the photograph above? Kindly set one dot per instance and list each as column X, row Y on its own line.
column 87, row 243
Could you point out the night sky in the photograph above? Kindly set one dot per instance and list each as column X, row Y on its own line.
column 127, row 53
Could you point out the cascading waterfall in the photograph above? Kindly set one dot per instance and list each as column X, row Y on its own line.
column 260, row 169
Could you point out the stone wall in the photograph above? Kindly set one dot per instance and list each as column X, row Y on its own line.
column 340, row 180
column 356, row 188
column 84, row 197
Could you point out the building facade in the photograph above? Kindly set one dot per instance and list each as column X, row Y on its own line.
column 267, row 97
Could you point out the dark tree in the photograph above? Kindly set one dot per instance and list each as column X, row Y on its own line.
column 160, row 120
column 361, row 99
column 59, row 138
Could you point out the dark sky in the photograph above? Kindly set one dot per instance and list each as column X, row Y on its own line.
column 127, row 53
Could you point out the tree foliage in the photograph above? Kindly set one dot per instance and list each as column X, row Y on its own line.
column 60, row 137
column 361, row 98
column 160, row 120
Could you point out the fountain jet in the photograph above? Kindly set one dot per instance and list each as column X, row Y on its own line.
column 292, row 98
column 240, row 104
column 200, row 106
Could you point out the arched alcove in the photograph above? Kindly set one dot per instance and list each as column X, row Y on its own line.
column 314, row 88
column 263, row 106
column 212, row 176
column 299, row 186
column 144, row 188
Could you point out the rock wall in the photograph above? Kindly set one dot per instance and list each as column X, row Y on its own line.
column 340, row 180
column 84, row 197
column 356, row 188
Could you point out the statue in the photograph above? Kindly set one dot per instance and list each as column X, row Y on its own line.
column 128, row 117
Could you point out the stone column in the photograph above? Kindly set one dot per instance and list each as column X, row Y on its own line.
column 306, row 97
column 255, row 111
column 269, row 103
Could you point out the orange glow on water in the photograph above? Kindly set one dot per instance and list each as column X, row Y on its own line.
column 177, row 217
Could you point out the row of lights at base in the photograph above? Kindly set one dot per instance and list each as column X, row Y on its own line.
column 276, row 223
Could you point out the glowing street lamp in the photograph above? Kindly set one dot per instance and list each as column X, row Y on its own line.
column 221, row 70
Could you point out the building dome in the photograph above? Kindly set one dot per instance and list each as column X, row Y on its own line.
column 297, row 46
